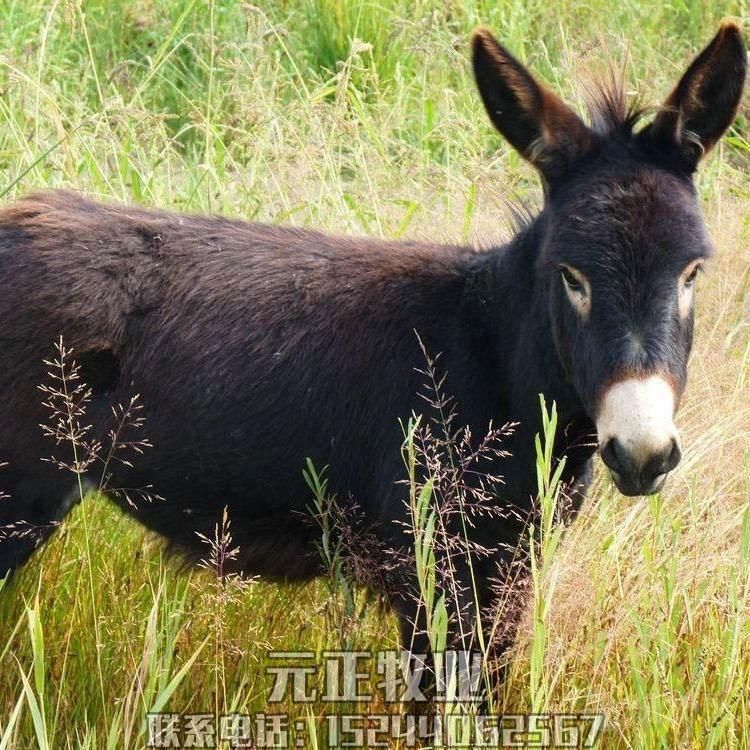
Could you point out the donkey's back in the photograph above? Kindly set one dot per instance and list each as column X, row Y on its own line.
column 252, row 347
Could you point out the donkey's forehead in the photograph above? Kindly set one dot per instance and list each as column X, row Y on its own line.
column 644, row 212
column 637, row 192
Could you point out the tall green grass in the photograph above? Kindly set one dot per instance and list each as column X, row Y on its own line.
column 359, row 116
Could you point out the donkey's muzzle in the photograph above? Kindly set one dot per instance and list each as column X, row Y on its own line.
column 638, row 439
column 632, row 475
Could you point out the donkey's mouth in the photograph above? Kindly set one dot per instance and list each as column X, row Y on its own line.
column 636, row 486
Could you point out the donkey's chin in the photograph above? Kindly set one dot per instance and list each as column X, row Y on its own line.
column 637, row 486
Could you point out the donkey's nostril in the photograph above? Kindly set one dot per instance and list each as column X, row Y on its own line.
column 614, row 456
column 675, row 456
column 668, row 459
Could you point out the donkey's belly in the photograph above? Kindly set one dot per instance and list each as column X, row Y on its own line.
column 277, row 545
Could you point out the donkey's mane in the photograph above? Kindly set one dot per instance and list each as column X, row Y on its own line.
column 611, row 112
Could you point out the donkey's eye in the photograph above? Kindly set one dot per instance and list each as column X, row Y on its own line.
column 692, row 275
column 685, row 291
column 573, row 283
column 577, row 290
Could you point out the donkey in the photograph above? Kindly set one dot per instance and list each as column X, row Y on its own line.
column 254, row 347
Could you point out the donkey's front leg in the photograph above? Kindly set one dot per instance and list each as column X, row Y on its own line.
column 454, row 672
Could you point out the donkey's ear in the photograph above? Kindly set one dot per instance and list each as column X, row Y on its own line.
column 539, row 125
column 705, row 101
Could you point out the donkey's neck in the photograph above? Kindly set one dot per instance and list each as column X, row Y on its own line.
column 523, row 330
column 526, row 360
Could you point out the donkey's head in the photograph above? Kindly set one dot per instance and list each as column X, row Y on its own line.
column 623, row 240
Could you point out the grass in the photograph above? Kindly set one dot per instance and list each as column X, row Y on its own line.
column 361, row 117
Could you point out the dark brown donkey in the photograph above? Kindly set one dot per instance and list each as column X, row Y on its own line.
column 254, row 347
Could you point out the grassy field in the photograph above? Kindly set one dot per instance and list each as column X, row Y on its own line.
column 361, row 116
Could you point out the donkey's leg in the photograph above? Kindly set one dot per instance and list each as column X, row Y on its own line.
column 416, row 674
column 28, row 517
column 503, row 603
column 461, row 640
